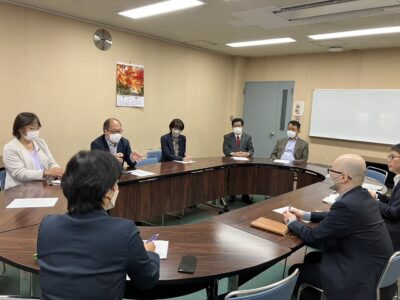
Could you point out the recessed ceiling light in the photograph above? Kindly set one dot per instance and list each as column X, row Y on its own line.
column 362, row 32
column 159, row 8
column 335, row 49
column 262, row 42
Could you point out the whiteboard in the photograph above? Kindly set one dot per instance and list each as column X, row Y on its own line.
column 357, row 115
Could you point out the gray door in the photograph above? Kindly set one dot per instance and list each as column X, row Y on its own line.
column 267, row 109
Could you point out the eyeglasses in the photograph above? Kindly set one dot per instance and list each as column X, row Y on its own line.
column 337, row 172
column 392, row 156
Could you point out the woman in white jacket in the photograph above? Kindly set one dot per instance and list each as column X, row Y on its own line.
column 26, row 157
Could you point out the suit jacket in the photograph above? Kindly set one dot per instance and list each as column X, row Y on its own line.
column 390, row 210
column 87, row 256
column 123, row 147
column 167, row 147
column 300, row 149
column 355, row 242
column 19, row 164
column 229, row 145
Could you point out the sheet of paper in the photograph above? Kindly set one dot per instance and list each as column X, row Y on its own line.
column 372, row 187
column 281, row 161
column 330, row 199
column 140, row 173
column 239, row 158
column 184, row 162
column 32, row 202
column 55, row 182
column 281, row 210
column 161, row 248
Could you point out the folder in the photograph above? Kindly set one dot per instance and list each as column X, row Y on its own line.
column 270, row 225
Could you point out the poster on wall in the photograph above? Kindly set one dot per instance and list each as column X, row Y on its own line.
column 130, row 85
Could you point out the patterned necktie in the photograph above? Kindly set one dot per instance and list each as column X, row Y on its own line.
column 238, row 141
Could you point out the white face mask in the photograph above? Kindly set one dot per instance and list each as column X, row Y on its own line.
column 176, row 132
column 237, row 130
column 113, row 199
column 291, row 134
column 115, row 138
column 31, row 135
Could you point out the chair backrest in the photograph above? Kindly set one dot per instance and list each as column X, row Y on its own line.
column 377, row 174
column 2, row 179
column 281, row 290
column 147, row 161
column 154, row 153
column 391, row 273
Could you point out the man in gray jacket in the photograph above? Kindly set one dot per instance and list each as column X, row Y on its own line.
column 292, row 147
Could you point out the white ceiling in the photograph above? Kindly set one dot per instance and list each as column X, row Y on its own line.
column 218, row 22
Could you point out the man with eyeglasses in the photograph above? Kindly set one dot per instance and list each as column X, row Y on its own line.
column 353, row 237
column 111, row 140
column 390, row 206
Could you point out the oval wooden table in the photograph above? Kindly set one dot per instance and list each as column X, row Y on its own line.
column 226, row 246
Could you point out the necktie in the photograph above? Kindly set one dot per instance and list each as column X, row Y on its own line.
column 238, row 141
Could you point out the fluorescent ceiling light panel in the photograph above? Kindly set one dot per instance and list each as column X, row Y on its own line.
column 159, row 8
column 262, row 42
column 362, row 32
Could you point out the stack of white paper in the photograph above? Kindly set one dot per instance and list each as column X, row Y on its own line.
column 32, row 202
column 239, row 158
column 184, row 162
column 330, row 199
column 372, row 187
column 140, row 173
column 281, row 161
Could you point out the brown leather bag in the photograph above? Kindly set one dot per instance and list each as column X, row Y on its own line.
column 270, row 225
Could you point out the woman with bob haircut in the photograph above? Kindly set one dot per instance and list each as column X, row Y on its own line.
column 86, row 253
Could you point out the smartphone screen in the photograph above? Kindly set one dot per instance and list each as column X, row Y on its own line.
column 188, row 264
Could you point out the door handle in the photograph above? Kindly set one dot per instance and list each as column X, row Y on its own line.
column 272, row 133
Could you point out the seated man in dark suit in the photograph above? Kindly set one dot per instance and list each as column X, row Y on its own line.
column 112, row 141
column 390, row 206
column 86, row 253
column 292, row 147
column 353, row 237
column 238, row 143
column 173, row 144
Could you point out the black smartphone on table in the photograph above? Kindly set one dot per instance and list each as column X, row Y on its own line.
column 188, row 264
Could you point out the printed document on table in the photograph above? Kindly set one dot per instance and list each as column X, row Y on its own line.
column 331, row 198
column 32, row 202
column 372, row 187
column 161, row 248
column 184, row 162
column 140, row 173
column 281, row 161
column 285, row 209
column 239, row 158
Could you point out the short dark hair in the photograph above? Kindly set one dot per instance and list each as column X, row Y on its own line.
column 24, row 119
column 107, row 122
column 395, row 148
column 88, row 176
column 176, row 123
column 295, row 123
column 237, row 120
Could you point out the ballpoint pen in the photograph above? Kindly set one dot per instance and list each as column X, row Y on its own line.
column 152, row 239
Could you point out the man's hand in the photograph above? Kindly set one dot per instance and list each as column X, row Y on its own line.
column 120, row 157
column 297, row 212
column 54, row 172
column 136, row 156
column 187, row 158
column 150, row 247
column 373, row 194
column 287, row 216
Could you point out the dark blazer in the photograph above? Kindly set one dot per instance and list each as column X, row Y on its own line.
column 167, row 148
column 123, row 147
column 229, row 145
column 87, row 256
column 300, row 149
column 390, row 210
column 355, row 242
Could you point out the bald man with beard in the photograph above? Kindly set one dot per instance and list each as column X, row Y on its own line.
column 353, row 237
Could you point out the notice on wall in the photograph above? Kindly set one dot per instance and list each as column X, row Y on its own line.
column 130, row 85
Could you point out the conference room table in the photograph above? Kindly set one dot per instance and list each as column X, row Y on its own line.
column 226, row 246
